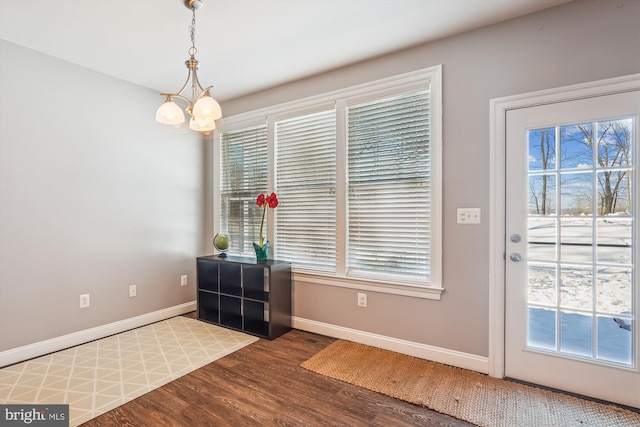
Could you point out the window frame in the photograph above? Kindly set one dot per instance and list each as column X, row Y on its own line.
column 340, row 99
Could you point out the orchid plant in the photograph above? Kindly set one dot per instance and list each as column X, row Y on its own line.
column 263, row 201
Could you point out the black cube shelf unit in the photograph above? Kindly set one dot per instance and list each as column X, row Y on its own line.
column 243, row 294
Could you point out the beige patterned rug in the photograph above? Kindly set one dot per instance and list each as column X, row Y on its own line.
column 99, row 376
column 463, row 394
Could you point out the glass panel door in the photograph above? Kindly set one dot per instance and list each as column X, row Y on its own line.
column 571, row 291
column 579, row 240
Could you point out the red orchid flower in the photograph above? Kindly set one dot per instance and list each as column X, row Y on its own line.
column 272, row 201
column 263, row 201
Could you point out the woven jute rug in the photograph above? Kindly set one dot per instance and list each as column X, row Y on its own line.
column 463, row 394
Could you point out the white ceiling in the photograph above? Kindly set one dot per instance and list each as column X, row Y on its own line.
column 243, row 45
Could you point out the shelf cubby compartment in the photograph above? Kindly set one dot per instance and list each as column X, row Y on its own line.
column 231, row 312
column 231, row 279
column 208, row 307
column 256, row 317
column 207, row 275
column 255, row 284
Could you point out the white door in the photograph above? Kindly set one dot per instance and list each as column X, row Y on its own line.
column 572, row 294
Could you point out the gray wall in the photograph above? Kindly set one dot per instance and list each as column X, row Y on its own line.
column 578, row 42
column 94, row 196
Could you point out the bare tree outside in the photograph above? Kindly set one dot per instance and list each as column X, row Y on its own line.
column 611, row 142
column 542, row 188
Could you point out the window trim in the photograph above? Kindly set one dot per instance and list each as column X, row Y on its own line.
column 371, row 90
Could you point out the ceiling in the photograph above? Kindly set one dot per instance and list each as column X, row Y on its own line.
column 243, row 45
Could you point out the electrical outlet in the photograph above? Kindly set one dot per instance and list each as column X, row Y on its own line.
column 133, row 291
column 183, row 280
column 85, row 300
column 362, row 299
column 468, row 215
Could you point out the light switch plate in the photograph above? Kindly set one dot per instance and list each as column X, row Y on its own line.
column 468, row 215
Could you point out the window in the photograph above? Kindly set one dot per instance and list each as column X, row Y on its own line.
column 306, row 183
column 389, row 187
column 357, row 175
column 244, row 175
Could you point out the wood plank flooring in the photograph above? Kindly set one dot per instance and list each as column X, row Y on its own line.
column 263, row 384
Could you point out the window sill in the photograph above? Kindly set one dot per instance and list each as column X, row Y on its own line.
column 431, row 293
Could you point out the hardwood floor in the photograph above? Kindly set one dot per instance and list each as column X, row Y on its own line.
column 263, row 384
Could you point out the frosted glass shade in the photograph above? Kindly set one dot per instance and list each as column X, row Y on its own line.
column 207, row 108
column 170, row 114
column 177, row 129
column 200, row 125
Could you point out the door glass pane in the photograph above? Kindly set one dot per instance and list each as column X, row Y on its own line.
column 577, row 334
column 542, row 289
column 580, row 240
column 542, row 149
column 614, row 142
column 614, row 197
column 576, row 239
column 542, row 232
column 614, row 339
column 613, row 291
column 613, row 304
column 541, row 330
column 614, row 240
column 576, row 143
column 542, row 194
column 576, row 289
column 576, row 193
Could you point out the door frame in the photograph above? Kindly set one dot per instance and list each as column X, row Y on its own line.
column 497, row 222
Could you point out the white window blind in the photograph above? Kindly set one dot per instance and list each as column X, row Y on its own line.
column 358, row 178
column 306, row 183
column 244, row 174
column 389, row 197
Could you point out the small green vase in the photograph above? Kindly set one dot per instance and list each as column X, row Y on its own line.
column 262, row 252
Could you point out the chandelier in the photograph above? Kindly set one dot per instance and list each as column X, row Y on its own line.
column 202, row 109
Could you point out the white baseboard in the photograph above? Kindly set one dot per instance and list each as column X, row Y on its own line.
column 422, row 351
column 19, row 354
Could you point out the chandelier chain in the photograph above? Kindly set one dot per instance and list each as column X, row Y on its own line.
column 192, row 30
